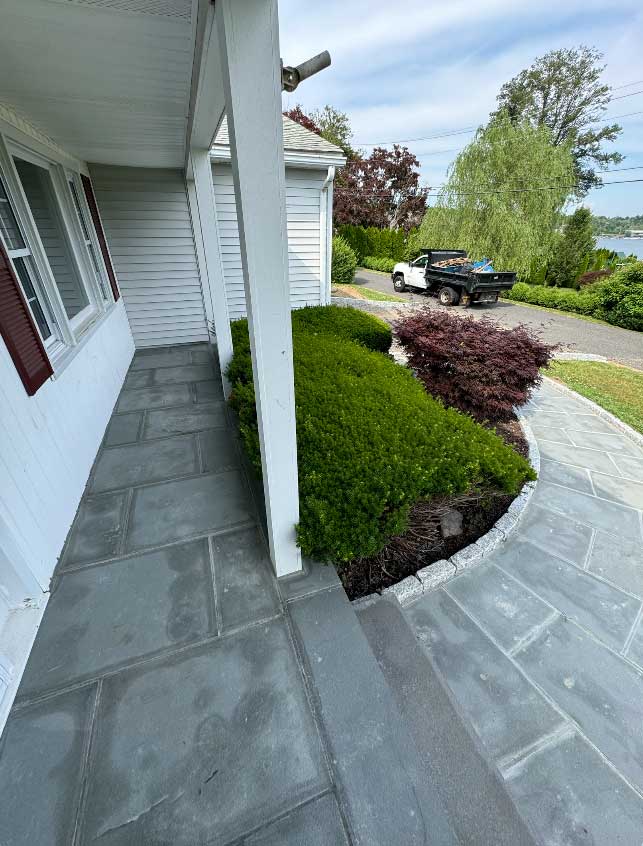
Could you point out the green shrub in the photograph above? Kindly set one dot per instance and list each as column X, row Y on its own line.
column 620, row 297
column 351, row 324
column 386, row 265
column 617, row 300
column 371, row 442
column 378, row 243
column 343, row 263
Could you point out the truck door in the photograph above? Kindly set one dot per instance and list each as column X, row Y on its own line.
column 416, row 272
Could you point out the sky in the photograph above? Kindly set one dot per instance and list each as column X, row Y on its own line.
column 413, row 68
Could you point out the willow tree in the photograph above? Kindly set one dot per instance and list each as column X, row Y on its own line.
column 504, row 196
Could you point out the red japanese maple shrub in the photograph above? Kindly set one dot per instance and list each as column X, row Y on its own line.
column 476, row 366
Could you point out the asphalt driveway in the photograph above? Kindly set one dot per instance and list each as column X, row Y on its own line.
column 574, row 334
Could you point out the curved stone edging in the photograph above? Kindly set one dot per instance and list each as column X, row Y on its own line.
column 623, row 428
column 436, row 574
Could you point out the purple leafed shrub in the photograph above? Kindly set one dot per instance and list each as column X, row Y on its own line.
column 473, row 365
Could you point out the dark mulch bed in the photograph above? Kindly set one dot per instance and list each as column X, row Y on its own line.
column 422, row 543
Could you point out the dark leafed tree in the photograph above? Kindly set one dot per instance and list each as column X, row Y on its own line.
column 381, row 190
column 299, row 116
column 563, row 91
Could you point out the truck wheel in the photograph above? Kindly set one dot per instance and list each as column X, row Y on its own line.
column 448, row 296
column 399, row 284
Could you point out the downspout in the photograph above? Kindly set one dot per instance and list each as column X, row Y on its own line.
column 327, row 229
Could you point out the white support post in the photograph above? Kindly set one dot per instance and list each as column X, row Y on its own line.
column 207, row 232
column 326, row 230
column 249, row 46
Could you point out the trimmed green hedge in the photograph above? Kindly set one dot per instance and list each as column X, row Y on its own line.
column 370, row 441
column 343, row 262
column 617, row 300
column 386, row 265
column 378, row 243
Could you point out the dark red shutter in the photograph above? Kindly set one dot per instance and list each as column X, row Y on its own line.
column 98, row 226
column 19, row 331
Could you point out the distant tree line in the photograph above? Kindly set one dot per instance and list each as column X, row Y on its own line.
column 615, row 225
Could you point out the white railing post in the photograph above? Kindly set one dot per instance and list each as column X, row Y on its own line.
column 206, row 233
column 249, row 46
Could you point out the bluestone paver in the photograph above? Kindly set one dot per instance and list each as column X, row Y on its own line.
column 139, row 463
column 41, row 769
column 591, row 459
column 204, row 746
column 187, row 373
column 101, row 617
column 592, row 603
column 572, row 797
column 167, row 395
column 557, row 533
column 598, row 513
column 173, row 511
column 123, row 428
column 607, row 442
column 218, row 450
column 635, row 650
column 619, row 560
column 191, row 418
column 317, row 823
column 587, row 423
column 208, row 391
column 549, row 433
column 96, row 533
column 506, row 711
column 139, row 379
column 314, row 577
column 503, row 608
column 629, row 466
column 243, row 577
column 598, row 689
column 576, row 478
column 161, row 358
column 619, row 490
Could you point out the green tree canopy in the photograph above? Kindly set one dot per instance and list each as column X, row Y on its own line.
column 335, row 127
column 504, row 196
column 563, row 91
column 570, row 248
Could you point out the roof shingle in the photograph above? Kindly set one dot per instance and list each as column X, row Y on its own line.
column 296, row 138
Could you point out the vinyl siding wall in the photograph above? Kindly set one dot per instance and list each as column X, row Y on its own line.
column 147, row 223
column 303, row 195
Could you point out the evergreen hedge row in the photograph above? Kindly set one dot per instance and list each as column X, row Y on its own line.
column 378, row 243
column 371, row 442
column 617, row 299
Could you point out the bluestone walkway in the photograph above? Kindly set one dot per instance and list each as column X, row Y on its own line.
column 542, row 645
column 164, row 702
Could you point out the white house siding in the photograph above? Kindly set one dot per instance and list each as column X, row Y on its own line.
column 303, row 195
column 48, row 442
column 147, row 222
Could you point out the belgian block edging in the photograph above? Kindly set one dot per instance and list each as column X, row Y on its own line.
column 436, row 574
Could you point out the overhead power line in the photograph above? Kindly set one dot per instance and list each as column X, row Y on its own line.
column 484, row 192
column 626, row 85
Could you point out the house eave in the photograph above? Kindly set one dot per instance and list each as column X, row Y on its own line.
column 293, row 158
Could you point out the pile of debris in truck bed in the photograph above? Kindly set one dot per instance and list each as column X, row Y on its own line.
column 463, row 263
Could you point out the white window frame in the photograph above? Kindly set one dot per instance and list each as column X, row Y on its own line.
column 82, row 214
column 71, row 231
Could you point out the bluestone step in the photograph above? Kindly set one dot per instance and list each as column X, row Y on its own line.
column 470, row 787
column 387, row 793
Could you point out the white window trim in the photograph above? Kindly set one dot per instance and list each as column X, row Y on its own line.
column 66, row 332
column 103, row 288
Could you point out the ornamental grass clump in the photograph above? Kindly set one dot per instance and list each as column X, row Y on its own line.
column 474, row 365
column 370, row 442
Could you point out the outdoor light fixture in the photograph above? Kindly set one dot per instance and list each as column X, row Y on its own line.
column 291, row 77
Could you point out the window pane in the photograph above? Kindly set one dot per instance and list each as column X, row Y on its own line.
column 79, row 211
column 9, row 224
column 99, row 275
column 88, row 241
column 32, row 299
column 38, row 189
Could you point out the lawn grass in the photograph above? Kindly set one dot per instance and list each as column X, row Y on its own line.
column 363, row 293
column 618, row 390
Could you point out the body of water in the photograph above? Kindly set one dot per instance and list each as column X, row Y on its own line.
column 622, row 245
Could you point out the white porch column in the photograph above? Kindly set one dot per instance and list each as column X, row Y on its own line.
column 249, row 45
column 207, row 231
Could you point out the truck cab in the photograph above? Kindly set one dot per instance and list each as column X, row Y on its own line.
column 410, row 274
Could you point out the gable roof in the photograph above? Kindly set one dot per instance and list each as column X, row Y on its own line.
column 297, row 140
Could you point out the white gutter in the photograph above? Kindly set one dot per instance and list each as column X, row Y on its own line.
column 326, row 230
